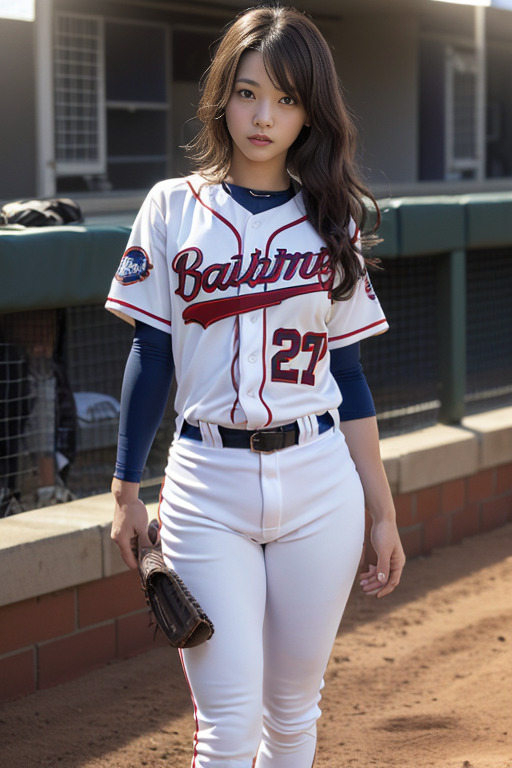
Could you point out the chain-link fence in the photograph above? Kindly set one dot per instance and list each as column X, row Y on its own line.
column 401, row 366
column 60, row 381
column 61, row 374
column 489, row 330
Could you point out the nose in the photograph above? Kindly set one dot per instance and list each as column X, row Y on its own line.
column 263, row 115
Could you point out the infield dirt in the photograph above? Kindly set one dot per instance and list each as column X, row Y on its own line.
column 421, row 679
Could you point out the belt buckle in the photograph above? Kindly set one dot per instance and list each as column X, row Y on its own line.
column 257, row 439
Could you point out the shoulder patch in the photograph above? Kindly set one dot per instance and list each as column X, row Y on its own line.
column 134, row 266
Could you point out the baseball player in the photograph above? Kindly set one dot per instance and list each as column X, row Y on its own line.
column 247, row 281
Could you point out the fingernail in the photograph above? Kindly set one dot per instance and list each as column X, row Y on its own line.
column 363, row 582
column 381, row 577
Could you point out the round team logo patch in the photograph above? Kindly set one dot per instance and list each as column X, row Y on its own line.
column 134, row 267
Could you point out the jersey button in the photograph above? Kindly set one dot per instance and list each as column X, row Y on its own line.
column 256, row 224
column 253, row 318
column 250, row 393
column 252, row 358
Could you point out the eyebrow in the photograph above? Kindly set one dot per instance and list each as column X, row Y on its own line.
column 246, row 80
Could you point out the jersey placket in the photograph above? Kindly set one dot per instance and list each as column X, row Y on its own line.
column 251, row 337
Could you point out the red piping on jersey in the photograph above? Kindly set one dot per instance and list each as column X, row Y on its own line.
column 287, row 294
column 235, row 358
column 215, row 213
column 359, row 330
column 239, row 243
column 196, row 737
column 264, row 364
column 160, row 499
column 281, row 229
column 137, row 309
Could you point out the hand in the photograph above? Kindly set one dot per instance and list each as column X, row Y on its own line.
column 381, row 579
column 130, row 523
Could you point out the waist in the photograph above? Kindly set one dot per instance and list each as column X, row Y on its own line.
column 260, row 440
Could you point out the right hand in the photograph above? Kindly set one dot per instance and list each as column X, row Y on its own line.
column 130, row 523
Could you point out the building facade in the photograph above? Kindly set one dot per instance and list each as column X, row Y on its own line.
column 103, row 94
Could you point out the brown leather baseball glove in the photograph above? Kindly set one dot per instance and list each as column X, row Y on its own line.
column 177, row 613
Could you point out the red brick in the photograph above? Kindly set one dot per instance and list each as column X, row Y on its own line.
column 453, row 495
column 109, row 598
column 504, row 478
column 481, row 485
column 412, row 541
column 404, row 509
column 465, row 522
column 33, row 621
column 436, row 533
column 135, row 635
column 428, row 503
column 496, row 512
column 75, row 655
column 17, row 675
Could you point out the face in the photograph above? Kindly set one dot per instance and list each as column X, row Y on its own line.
column 263, row 123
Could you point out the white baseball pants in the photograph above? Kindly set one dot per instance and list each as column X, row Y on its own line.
column 269, row 544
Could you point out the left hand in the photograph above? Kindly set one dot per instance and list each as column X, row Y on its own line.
column 381, row 579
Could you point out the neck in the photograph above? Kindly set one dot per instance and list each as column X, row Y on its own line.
column 254, row 176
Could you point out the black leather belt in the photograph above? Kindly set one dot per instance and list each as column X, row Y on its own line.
column 261, row 440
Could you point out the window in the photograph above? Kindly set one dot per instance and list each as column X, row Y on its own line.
column 190, row 59
column 79, row 129
column 111, row 103
column 461, row 114
column 499, row 111
column 449, row 115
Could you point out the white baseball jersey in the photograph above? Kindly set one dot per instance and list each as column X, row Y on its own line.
column 247, row 300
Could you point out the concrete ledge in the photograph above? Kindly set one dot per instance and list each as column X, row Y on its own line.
column 429, row 457
column 494, row 433
column 55, row 548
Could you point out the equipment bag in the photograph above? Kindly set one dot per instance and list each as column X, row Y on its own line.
column 41, row 213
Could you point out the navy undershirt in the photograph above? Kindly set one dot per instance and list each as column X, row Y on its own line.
column 257, row 201
column 150, row 366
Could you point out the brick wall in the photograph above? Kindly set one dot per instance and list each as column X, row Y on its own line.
column 56, row 637
column 445, row 514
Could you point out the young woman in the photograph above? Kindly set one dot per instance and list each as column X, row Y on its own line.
column 247, row 280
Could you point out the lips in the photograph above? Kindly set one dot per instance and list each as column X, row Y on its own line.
column 260, row 140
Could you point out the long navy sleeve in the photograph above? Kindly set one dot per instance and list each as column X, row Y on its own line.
column 146, row 383
column 348, row 372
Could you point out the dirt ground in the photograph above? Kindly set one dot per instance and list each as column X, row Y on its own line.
column 421, row 678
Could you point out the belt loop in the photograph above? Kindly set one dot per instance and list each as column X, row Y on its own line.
column 336, row 418
column 210, row 434
column 306, row 429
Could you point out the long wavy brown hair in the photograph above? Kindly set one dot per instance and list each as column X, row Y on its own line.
column 322, row 158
